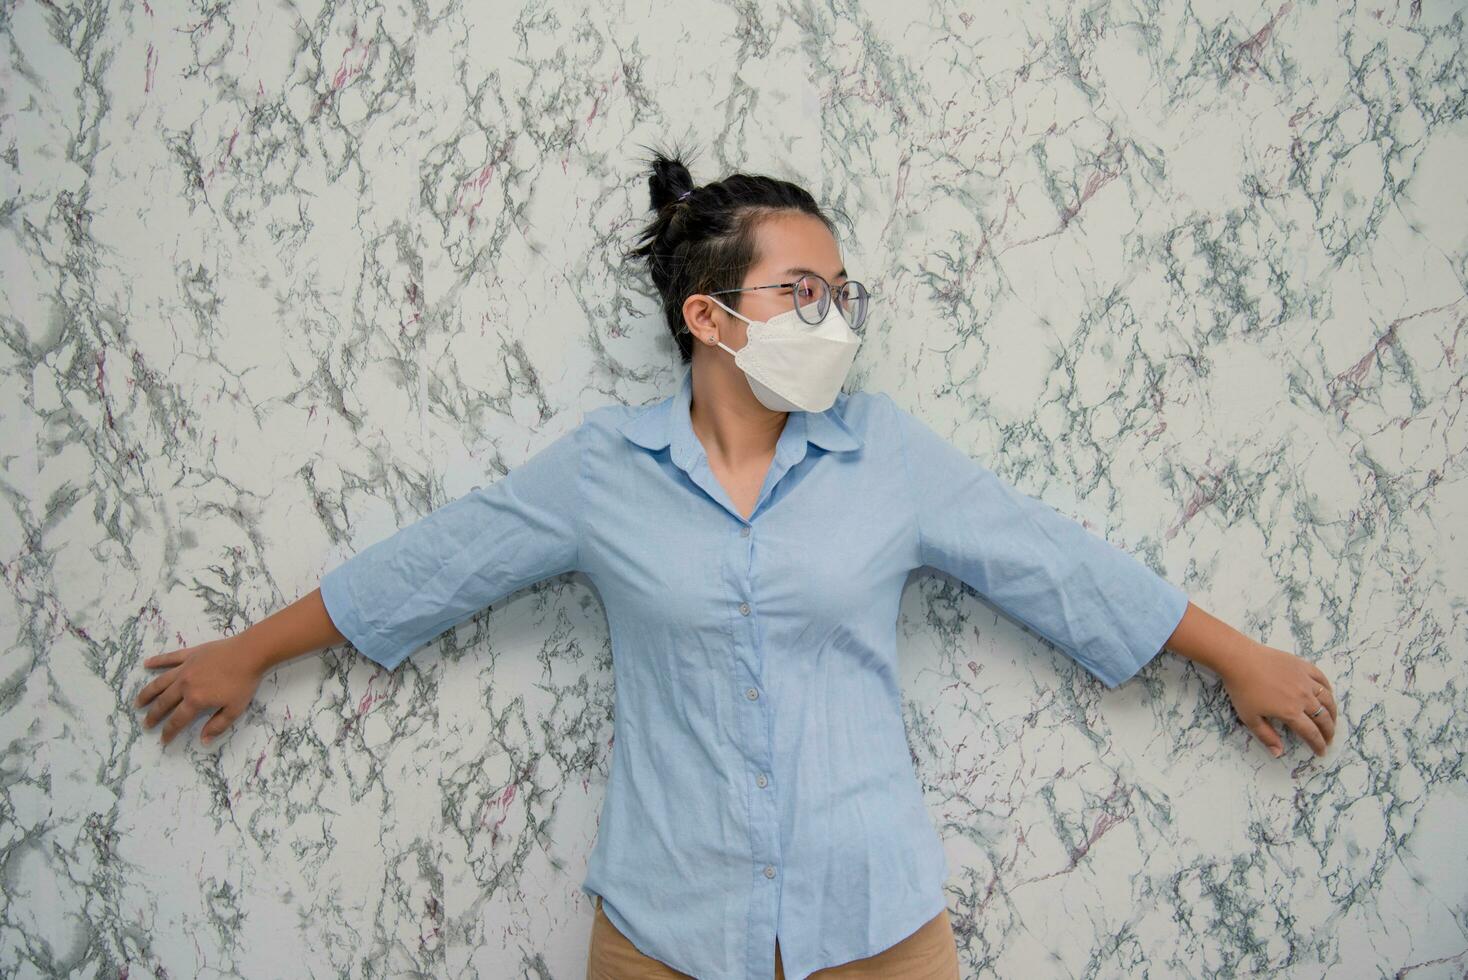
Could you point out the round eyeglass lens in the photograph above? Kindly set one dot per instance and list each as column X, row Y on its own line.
column 812, row 298
column 851, row 298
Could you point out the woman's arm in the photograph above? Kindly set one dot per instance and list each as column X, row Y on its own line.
column 396, row 594
column 222, row 675
column 1093, row 601
column 1261, row 681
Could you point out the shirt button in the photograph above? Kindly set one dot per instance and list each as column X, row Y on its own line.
column 744, row 531
column 762, row 780
column 744, row 608
column 769, row 871
column 751, row 694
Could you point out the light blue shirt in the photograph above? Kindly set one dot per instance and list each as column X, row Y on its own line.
column 761, row 780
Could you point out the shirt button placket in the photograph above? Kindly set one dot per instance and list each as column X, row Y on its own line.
column 754, row 730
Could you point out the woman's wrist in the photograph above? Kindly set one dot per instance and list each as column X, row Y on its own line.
column 1232, row 654
column 252, row 649
column 1211, row 642
column 300, row 628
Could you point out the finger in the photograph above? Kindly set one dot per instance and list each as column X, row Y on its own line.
column 170, row 659
column 151, row 691
column 1328, row 699
column 165, row 703
column 180, row 720
column 1324, row 695
column 222, row 719
column 1324, row 720
column 163, row 661
column 1326, row 723
column 1304, row 726
column 1265, row 732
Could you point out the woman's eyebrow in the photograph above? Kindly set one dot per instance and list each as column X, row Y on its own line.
column 812, row 272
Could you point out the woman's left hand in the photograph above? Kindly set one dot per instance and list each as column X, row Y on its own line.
column 1269, row 683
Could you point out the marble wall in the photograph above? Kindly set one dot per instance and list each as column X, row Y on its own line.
column 280, row 278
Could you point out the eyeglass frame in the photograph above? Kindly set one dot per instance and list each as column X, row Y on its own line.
column 830, row 291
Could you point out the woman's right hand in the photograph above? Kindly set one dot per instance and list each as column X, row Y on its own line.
column 220, row 674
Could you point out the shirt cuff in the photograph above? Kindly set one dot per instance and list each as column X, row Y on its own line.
column 1151, row 634
column 347, row 616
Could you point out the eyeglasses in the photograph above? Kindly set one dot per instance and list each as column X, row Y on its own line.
column 811, row 295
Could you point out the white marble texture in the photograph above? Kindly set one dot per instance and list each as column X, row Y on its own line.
column 279, row 278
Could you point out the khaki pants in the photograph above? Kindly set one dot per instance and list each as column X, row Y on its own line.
column 930, row 953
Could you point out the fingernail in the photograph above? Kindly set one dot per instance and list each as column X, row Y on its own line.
column 1276, row 752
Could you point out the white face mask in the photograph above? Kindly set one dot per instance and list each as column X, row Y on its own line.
column 794, row 366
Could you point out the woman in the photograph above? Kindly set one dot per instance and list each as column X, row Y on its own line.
column 750, row 536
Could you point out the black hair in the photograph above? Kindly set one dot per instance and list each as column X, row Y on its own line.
column 702, row 238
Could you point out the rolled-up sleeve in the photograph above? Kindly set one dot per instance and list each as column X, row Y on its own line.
column 400, row 592
column 1094, row 602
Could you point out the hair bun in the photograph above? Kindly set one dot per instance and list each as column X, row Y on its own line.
column 669, row 180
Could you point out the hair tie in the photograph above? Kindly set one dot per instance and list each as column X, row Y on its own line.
column 685, row 194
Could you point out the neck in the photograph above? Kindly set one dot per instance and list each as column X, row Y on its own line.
column 725, row 415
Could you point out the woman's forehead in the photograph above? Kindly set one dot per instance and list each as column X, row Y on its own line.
column 788, row 247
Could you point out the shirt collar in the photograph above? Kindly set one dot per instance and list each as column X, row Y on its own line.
column 667, row 422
